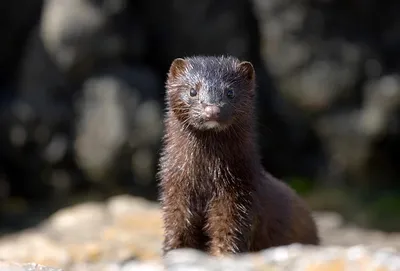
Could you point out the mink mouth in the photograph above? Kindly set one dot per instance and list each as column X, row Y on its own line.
column 211, row 124
column 216, row 123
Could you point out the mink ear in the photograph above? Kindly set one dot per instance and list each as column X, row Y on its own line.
column 247, row 70
column 177, row 67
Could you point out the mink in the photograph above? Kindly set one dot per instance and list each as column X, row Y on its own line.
column 215, row 194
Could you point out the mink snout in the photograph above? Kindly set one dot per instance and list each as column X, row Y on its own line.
column 211, row 112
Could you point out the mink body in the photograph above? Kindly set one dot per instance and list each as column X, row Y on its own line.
column 215, row 194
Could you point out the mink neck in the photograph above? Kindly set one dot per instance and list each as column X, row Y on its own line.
column 233, row 145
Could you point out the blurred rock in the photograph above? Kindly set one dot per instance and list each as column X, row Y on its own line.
column 382, row 99
column 313, row 71
column 77, row 33
column 291, row 258
column 119, row 125
column 334, row 60
column 11, row 266
column 74, row 45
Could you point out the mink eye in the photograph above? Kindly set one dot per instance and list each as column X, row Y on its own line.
column 193, row 92
column 230, row 93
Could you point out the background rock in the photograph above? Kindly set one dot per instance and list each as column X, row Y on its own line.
column 335, row 60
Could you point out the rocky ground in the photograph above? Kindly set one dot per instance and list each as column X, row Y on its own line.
column 124, row 231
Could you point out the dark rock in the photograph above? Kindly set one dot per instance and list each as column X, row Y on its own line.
column 17, row 20
column 334, row 60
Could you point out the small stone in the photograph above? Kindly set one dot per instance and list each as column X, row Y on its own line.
column 135, row 265
column 34, row 247
column 127, row 205
column 88, row 215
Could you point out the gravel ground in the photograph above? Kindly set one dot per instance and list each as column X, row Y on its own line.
column 127, row 228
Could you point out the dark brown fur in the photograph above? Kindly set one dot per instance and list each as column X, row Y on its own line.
column 215, row 194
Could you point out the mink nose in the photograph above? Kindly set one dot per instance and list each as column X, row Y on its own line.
column 211, row 112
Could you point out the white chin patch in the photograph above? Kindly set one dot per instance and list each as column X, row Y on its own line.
column 210, row 124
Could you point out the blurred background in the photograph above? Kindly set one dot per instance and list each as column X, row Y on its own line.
column 82, row 98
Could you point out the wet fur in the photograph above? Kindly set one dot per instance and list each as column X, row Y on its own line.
column 215, row 194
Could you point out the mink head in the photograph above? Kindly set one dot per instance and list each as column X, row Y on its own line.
column 211, row 93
